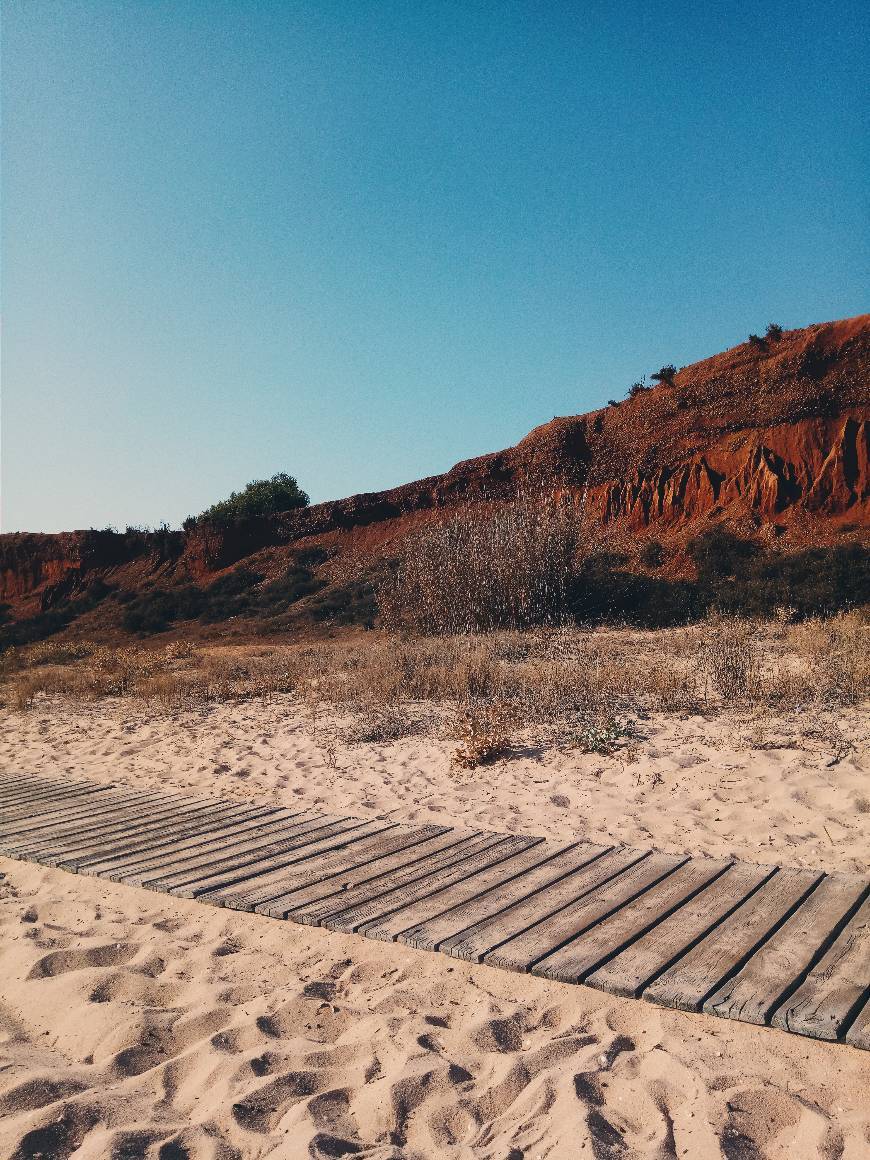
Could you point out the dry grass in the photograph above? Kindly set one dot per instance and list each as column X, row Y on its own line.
column 483, row 730
column 490, row 690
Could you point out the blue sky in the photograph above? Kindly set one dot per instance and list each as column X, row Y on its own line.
column 362, row 241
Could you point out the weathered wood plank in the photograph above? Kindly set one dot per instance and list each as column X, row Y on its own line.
column 708, row 964
column 332, row 868
column 858, row 1034
column 490, row 933
column 115, row 865
column 556, row 862
column 523, row 951
column 635, row 966
column 95, row 824
column 309, row 845
column 753, row 993
column 30, row 791
column 225, row 851
column 92, row 822
column 69, row 801
column 8, row 781
column 836, row 987
column 491, row 849
column 300, row 895
column 319, row 912
column 398, row 923
column 69, row 849
column 603, row 939
column 155, row 836
column 20, row 800
column 87, row 814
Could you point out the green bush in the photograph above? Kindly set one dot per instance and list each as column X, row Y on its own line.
column 664, row 374
column 262, row 497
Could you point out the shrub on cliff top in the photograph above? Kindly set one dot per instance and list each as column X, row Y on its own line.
column 664, row 374
column 261, row 497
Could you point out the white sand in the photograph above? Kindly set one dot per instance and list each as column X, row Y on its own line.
column 135, row 1025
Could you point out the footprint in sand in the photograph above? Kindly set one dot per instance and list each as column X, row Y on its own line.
column 60, row 962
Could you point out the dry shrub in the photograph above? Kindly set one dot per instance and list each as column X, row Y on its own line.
column 482, row 729
column 56, row 652
column 730, row 657
column 23, row 689
column 378, row 724
column 494, row 565
column 671, row 685
column 837, row 653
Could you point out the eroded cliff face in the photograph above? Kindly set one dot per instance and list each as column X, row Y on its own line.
column 771, row 435
column 815, row 467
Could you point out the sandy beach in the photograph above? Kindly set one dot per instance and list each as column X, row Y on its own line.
column 136, row 1025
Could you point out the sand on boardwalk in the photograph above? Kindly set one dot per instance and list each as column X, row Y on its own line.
column 132, row 1024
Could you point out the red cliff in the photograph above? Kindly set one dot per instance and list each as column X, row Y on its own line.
column 770, row 434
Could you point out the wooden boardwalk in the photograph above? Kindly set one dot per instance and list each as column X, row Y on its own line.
column 763, row 944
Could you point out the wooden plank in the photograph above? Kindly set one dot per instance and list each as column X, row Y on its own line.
column 317, row 913
column 89, row 814
column 307, row 845
column 8, row 781
column 24, row 798
column 154, row 836
column 221, row 850
column 81, row 797
column 333, row 868
column 635, row 966
column 523, row 951
column 556, row 862
column 492, row 848
column 334, row 836
column 489, row 933
column 66, row 853
column 34, row 800
column 756, row 990
column 698, row 973
column 27, row 843
column 414, row 856
column 858, row 1034
column 579, row 958
column 484, row 884
column 30, row 789
column 52, row 846
column 115, row 865
column 27, row 784
column 836, row 987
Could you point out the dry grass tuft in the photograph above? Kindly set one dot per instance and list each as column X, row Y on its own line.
column 730, row 657
column 482, row 729
column 837, row 653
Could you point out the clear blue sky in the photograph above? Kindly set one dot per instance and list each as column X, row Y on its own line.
column 361, row 241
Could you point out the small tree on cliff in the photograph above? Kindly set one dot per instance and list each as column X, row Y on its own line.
column 664, row 374
column 262, row 497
